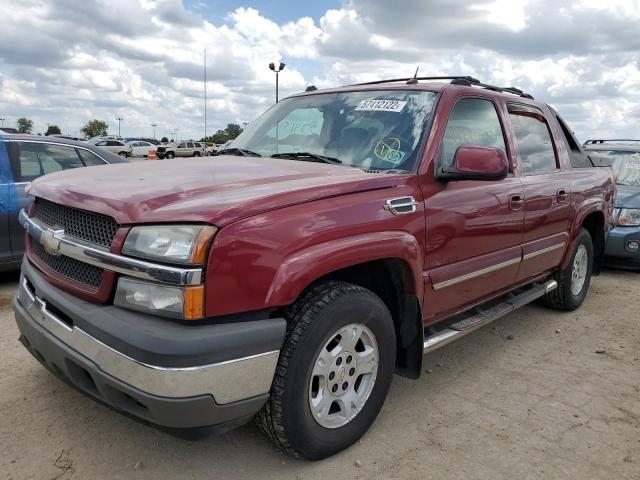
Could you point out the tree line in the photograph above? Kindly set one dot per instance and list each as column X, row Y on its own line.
column 95, row 128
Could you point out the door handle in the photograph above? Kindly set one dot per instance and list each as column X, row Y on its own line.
column 515, row 202
column 563, row 195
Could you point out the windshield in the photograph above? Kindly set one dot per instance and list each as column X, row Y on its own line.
column 378, row 130
column 625, row 164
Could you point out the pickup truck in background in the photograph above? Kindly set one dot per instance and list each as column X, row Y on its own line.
column 341, row 236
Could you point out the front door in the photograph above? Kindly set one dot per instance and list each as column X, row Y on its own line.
column 473, row 228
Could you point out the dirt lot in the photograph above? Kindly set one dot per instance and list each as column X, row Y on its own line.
column 537, row 394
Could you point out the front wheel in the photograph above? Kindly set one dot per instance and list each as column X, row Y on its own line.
column 334, row 371
column 573, row 281
column 170, row 155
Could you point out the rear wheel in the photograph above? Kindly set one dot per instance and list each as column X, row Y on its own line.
column 334, row 371
column 574, row 280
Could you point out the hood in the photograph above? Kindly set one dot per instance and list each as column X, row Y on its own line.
column 216, row 190
column 628, row 197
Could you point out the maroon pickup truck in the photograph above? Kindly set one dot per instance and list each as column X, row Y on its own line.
column 344, row 234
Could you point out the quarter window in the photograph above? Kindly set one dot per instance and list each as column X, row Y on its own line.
column 473, row 121
column 90, row 159
column 533, row 141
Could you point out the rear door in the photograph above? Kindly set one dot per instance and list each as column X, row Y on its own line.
column 547, row 191
column 7, row 203
column 181, row 149
column 473, row 228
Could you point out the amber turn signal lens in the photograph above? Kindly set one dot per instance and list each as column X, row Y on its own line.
column 194, row 303
column 201, row 244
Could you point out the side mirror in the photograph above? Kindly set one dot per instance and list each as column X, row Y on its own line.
column 475, row 162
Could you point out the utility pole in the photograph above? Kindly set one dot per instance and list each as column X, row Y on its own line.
column 119, row 120
column 205, row 94
column 2, row 121
column 154, row 125
column 277, row 71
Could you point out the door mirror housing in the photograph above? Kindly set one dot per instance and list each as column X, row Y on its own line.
column 475, row 162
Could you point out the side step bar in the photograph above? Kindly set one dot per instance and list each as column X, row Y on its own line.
column 482, row 316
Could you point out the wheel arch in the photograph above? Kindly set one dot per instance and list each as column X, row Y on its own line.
column 592, row 220
column 393, row 280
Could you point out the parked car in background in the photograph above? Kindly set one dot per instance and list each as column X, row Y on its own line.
column 205, row 150
column 8, row 130
column 183, row 148
column 289, row 279
column 140, row 148
column 141, row 139
column 114, row 146
column 623, row 241
column 210, row 148
column 23, row 158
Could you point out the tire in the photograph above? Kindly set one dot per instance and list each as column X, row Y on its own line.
column 567, row 296
column 123, row 154
column 170, row 155
column 312, row 323
column 196, row 154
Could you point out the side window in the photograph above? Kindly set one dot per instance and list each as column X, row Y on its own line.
column 101, row 144
column 89, row 159
column 578, row 158
column 473, row 121
column 181, row 145
column 533, row 141
column 38, row 159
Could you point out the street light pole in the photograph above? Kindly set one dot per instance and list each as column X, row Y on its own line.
column 272, row 67
column 154, row 125
column 2, row 121
column 205, row 94
column 119, row 120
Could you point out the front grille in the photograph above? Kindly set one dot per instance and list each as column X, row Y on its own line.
column 87, row 226
column 69, row 267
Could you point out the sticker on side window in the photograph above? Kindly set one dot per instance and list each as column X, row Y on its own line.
column 381, row 106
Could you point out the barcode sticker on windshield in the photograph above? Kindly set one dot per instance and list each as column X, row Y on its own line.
column 381, row 106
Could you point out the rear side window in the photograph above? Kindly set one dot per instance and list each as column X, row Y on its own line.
column 577, row 157
column 533, row 140
column 38, row 159
column 90, row 159
column 473, row 121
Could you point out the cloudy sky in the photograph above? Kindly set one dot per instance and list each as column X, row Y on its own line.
column 68, row 61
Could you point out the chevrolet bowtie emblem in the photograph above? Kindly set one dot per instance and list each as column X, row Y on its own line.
column 50, row 240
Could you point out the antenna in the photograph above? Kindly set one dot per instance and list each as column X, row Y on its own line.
column 414, row 80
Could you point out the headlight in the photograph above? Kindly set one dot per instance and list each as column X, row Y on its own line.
column 184, row 244
column 629, row 217
column 186, row 303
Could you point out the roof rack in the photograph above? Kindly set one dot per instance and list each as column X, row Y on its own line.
column 612, row 140
column 455, row 80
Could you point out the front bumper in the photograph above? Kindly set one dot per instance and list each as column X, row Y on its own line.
column 616, row 250
column 139, row 369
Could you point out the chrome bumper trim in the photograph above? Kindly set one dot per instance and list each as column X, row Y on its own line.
column 101, row 257
column 227, row 381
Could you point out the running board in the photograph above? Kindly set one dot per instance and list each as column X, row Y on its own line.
column 481, row 316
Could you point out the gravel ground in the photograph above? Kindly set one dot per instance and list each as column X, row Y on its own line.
column 537, row 394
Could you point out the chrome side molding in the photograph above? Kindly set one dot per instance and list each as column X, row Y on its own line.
column 401, row 205
column 57, row 243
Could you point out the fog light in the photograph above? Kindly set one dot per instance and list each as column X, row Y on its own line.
column 633, row 245
column 185, row 303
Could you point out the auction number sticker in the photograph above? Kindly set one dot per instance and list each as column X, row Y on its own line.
column 381, row 106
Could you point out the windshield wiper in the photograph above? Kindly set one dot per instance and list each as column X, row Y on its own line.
column 238, row 151
column 307, row 156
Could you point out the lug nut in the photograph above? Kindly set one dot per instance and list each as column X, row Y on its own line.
column 352, row 371
column 332, row 375
column 345, row 385
column 334, row 389
column 339, row 361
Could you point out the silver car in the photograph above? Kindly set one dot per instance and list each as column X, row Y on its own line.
column 23, row 158
column 114, row 146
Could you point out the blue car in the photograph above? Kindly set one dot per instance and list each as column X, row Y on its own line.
column 23, row 158
column 623, row 242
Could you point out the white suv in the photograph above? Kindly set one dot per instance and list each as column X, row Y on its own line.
column 115, row 146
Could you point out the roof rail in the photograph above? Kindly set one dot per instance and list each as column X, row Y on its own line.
column 455, row 80
column 611, row 140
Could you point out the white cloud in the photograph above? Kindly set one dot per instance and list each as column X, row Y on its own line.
column 67, row 61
